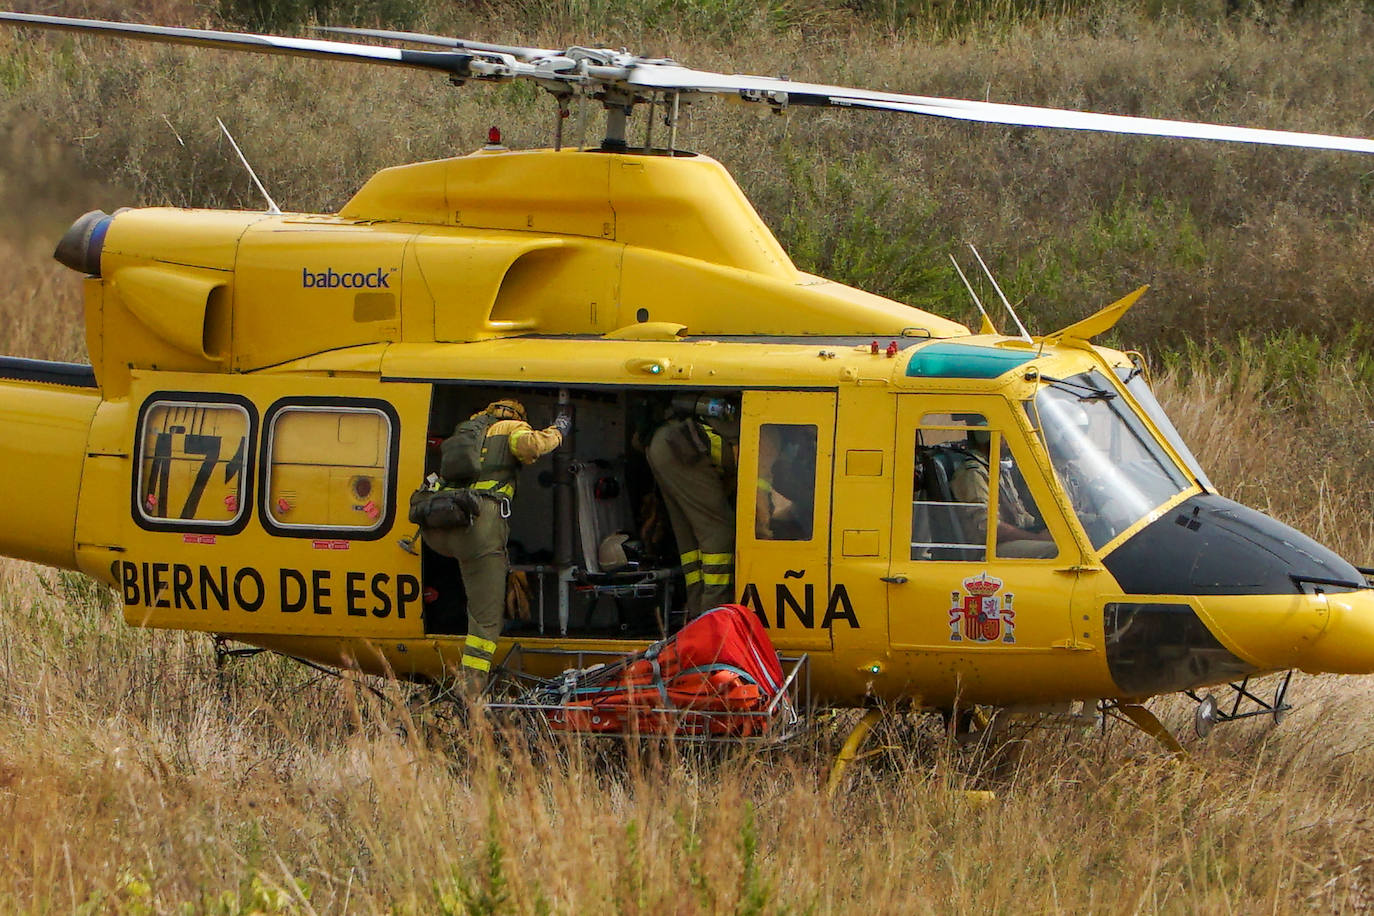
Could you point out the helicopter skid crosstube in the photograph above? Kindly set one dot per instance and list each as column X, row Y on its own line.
column 1211, row 713
column 437, row 659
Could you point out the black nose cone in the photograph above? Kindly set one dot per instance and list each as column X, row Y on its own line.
column 1209, row 545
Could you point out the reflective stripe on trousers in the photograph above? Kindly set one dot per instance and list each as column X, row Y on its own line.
column 717, row 569
column 691, row 566
column 477, row 653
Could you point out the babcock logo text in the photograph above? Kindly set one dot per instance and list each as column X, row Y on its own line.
column 332, row 279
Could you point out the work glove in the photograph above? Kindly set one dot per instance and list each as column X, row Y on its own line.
column 563, row 422
column 517, row 595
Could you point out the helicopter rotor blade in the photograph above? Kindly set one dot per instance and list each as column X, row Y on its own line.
column 519, row 52
column 630, row 80
column 779, row 92
column 453, row 64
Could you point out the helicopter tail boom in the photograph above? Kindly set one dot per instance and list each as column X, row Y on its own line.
column 45, row 417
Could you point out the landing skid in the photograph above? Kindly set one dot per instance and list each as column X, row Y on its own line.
column 1210, row 712
column 850, row 751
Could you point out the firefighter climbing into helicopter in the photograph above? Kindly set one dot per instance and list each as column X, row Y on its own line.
column 694, row 458
column 480, row 461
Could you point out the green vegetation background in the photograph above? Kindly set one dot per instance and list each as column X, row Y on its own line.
column 1238, row 242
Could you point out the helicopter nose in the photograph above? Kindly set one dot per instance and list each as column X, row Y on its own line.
column 1266, row 598
column 1331, row 632
column 1270, row 632
column 1346, row 646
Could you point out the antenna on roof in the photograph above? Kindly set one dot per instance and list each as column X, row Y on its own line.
column 987, row 322
column 272, row 207
column 1011, row 311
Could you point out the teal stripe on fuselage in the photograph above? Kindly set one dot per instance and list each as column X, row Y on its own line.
column 951, row 360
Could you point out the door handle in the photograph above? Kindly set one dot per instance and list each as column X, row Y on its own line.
column 894, row 580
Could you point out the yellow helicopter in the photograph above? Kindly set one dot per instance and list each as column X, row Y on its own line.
column 265, row 388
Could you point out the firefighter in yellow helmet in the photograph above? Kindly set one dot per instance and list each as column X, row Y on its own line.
column 501, row 440
column 694, row 461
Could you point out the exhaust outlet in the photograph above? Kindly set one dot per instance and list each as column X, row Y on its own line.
column 81, row 244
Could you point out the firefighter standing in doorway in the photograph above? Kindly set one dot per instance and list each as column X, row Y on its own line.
column 694, row 462
column 503, row 440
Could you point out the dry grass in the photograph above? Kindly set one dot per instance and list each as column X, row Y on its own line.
column 1303, row 459
column 136, row 779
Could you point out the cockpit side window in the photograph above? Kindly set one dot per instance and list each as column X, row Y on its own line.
column 943, row 525
column 1021, row 531
column 952, row 497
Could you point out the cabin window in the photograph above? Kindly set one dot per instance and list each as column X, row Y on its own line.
column 943, row 526
column 194, row 464
column 951, row 502
column 785, row 504
column 329, row 469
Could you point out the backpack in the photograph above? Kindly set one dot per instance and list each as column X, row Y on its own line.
column 443, row 508
column 460, row 459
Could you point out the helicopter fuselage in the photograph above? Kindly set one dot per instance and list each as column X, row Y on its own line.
column 265, row 392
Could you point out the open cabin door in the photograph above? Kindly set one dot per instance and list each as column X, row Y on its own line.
column 787, row 447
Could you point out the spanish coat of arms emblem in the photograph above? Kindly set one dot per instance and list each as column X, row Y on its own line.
column 979, row 614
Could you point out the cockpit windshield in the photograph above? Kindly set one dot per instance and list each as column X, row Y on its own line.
column 1112, row 468
column 1134, row 380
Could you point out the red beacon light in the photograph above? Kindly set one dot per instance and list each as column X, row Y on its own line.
column 494, row 138
column 873, row 348
column 892, row 349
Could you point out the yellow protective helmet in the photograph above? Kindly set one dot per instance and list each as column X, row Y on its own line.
column 508, row 408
